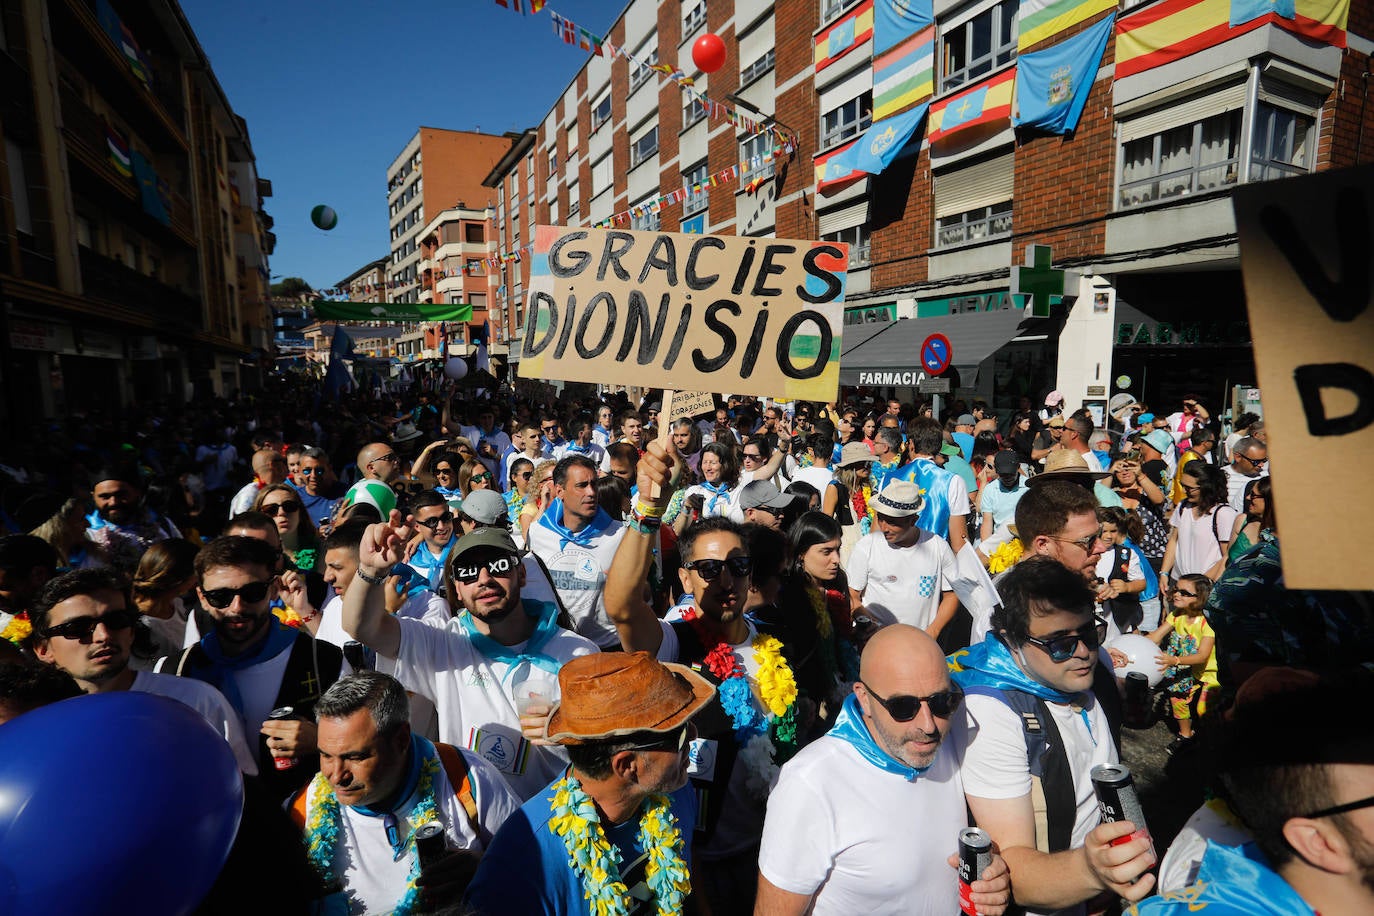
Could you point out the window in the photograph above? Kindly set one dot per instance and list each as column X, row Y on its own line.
column 553, row 165
column 603, row 174
column 84, row 232
column 756, row 158
column 529, row 169
column 693, row 16
column 1189, row 159
column 857, row 238
column 475, row 234
column 1281, row 145
column 848, row 120
column 831, row 9
column 973, row 225
column 692, row 111
column 644, row 147
column 571, row 133
column 758, row 68
column 647, row 57
column 644, row 217
column 574, row 201
column 975, row 47
column 698, row 190
column 553, row 213
column 601, row 111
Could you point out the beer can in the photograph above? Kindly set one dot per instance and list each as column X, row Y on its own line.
column 1117, row 799
column 283, row 712
column 975, row 854
column 430, row 843
column 356, row 656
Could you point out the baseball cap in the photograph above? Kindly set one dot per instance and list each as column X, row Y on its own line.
column 965, row 420
column 486, row 507
column 484, row 538
column 951, row 450
column 1159, row 440
column 761, row 494
column 1005, row 462
column 1054, row 399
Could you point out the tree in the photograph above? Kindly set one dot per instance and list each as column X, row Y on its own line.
column 292, row 288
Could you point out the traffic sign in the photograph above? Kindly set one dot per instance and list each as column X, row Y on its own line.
column 936, row 354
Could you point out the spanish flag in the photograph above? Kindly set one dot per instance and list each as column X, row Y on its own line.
column 844, row 35
column 1176, row 29
column 987, row 104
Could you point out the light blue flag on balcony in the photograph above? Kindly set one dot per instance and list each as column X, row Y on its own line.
column 896, row 20
column 1243, row 11
column 1052, row 85
column 148, row 189
column 881, row 143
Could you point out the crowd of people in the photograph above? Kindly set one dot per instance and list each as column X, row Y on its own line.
column 771, row 659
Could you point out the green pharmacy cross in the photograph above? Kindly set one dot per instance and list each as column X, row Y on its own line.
column 1037, row 281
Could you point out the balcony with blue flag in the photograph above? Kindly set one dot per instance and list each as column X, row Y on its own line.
column 881, row 143
column 1052, row 85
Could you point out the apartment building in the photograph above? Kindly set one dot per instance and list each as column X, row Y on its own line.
column 455, row 248
column 1133, row 205
column 437, row 169
column 134, row 242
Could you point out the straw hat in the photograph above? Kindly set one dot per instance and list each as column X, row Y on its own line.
column 612, row 694
column 1066, row 464
column 899, row 499
column 854, row 454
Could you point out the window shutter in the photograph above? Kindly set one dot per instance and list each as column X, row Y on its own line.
column 851, row 87
column 756, row 43
column 980, row 185
column 842, row 217
column 1198, row 108
column 1290, row 97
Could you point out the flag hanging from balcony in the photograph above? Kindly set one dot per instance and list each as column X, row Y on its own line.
column 119, row 151
column 904, row 74
column 327, row 310
column 896, row 20
column 844, row 35
column 1052, row 84
column 1176, row 29
column 1243, row 11
column 148, row 189
column 986, row 105
column 1038, row 20
column 881, row 143
column 833, row 173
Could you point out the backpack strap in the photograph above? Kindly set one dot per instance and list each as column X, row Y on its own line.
column 297, row 808
column 460, row 777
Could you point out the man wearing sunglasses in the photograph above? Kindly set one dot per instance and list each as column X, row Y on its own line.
column 839, row 836
column 1249, row 461
column 471, row 666
column 258, row 662
column 436, row 525
column 1307, row 798
column 378, row 461
column 1046, row 711
column 320, row 490
column 83, row 625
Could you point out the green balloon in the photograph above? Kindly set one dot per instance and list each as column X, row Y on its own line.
column 324, row 217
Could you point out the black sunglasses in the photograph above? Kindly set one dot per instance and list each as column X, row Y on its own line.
column 250, row 593
column 525, row 475
column 673, row 741
column 905, row 708
column 445, row 518
column 447, row 472
column 389, row 456
column 1179, row 591
column 288, row 507
column 710, row 569
column 81, row 628
column 502, row 567
column 1061, row 648
column 1342, row 809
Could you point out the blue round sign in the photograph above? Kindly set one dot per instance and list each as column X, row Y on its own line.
column 936, row 354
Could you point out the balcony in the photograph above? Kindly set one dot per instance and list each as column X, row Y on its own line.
column 108, row 280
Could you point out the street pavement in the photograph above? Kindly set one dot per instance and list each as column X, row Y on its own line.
column 1170, row 787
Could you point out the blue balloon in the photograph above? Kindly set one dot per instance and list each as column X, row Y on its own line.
column 114, row 803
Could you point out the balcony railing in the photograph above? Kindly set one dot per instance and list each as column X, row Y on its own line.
column 107, row 279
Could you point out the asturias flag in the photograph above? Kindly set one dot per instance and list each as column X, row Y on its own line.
column 1052, row 85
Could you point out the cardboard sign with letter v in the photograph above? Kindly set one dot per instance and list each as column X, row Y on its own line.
column 1307, row 252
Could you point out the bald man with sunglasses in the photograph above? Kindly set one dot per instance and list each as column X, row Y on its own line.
column 841, row 833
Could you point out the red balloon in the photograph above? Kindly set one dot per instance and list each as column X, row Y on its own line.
column 708, row 53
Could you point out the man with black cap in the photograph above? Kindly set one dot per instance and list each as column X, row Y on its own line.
column 488, row 668
column 611, row 833
column 997, row 502
column 763, row 504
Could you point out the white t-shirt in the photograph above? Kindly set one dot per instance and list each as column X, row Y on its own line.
column 210, row 703
column 1235, row 487
column 1092, row 460
column 902, row 584
column 498, row 440
column 591, row 450
column 372, row 875
column 474, row 698
column 579, row 575
column 1181, row 861
column 1197, row 549
column 995, row 765
column 862, row 840
column 820, row 478
column 169, row 635
column 1106, row 566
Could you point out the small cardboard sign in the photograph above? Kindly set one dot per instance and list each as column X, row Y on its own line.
column 758, row 316
column 1305, row 248
column 689, row 404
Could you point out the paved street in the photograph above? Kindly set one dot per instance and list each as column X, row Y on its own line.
column 1170, row 788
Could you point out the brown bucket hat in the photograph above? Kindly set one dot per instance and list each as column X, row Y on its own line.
column 611, row 694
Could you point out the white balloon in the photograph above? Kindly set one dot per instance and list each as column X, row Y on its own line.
column 1141, row 654
column 456, row 368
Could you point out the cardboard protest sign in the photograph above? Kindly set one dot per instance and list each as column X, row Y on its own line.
column 708, row 313
column 688, row 404
column 1306, row 247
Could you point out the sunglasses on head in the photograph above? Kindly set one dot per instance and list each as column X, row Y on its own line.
column 249, row 593
column 905, row 708
column 81, row 628
column 710, row 569
column 500, row 567
column 674, row 741
column 1061, row 648
column 288, row 506
column 445, row 518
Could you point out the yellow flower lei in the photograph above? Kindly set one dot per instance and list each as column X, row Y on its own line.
column 823, row 626
column 574, row 819
column 16, row 630
column 1005, row 556
column 777, row 686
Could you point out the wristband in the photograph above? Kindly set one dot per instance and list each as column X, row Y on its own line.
column 644, row 510
column 371, row 580
column 642, row 523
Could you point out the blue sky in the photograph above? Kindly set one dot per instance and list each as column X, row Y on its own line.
column 332, row 92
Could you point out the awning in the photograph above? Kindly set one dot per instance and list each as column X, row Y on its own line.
column 892, row 355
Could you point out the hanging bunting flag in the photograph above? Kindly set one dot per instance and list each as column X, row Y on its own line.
column 986, row 105
column 146, row 177
column 904, row 74
column 896, row 20
column 1175, row 29
column 1052, row 85
column 1039, row 20
column 514, row 5
column 881, row 143
column 844, row 35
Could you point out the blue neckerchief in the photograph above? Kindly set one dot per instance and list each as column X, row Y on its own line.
column 279, row 639
column 448, row 491
column 428, row 566
column 717, row 490
column 849, row 726
column 552, row 519
column 421, row 749
column 1235, row 880
column 546, row 627
column 580, row 449
column 990, row 664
